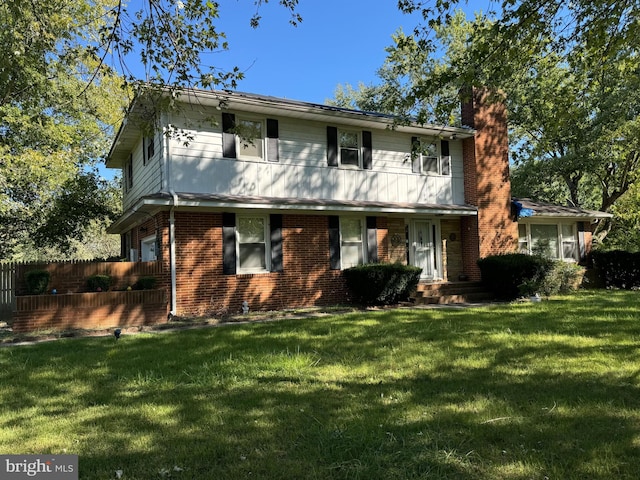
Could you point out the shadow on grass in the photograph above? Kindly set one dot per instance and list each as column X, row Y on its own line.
column 509, row 392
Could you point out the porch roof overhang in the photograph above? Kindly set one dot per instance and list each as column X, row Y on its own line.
column 542, row 210
column 155, row 203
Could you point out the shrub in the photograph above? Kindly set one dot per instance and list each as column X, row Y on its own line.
column 382, row 283
column 562, row 277
column 617, row 268
column 504, row 274
column 99, row 283
column 145, row 283
column 37, row 281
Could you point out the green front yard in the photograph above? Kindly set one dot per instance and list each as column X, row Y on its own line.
column 521, row 391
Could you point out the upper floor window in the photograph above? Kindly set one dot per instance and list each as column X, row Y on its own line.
column 430, row 157
column 127, row 174
column 148, row 148
column 349, row 148
column 249, row 138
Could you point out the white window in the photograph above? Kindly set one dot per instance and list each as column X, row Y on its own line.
column 148, row 249
column 250, row 139
column 148, row 149
column 569, row 242
column 349, row 148
column 352, row 245
column 523, row 238
column 430, row 158
column 544, row 240
column 551, row 240
column 252, row 244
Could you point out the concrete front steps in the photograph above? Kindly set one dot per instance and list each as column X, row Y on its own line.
column 450, row 293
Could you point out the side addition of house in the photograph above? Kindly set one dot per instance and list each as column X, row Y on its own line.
column 266, row 200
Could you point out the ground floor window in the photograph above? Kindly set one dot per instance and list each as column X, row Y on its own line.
column 148, row 249
column 352, row 241
column 252, row 244
column 551, row 240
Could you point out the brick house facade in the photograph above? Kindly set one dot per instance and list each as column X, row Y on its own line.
column 274, row 219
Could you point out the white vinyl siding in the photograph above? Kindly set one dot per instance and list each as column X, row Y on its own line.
column 146, row 178
column 301, row 171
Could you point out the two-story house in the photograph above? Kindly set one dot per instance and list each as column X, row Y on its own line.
column 266, row 200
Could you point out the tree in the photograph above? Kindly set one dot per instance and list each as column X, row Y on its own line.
column 573, row 112
column 58, row 106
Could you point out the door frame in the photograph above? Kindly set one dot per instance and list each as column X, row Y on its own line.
column 435, row 257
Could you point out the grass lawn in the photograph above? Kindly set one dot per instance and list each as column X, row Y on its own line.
column 520, row 391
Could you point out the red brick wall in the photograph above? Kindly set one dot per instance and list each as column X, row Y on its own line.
column 486, row 180
column 89, row 310
column 306, row 279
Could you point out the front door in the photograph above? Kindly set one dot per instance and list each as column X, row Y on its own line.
column 423, row 247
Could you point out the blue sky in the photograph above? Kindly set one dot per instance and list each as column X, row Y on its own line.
column 338, row 42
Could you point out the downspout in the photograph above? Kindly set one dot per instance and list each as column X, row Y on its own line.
column 166, row 185
column 172, row 254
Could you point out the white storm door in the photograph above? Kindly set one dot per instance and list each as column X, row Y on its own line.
column 423, row 248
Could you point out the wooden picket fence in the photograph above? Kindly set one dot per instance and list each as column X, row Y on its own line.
column 67, row 276
column 7, row 290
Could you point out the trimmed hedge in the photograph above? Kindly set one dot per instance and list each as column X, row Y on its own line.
column 99, row 283
column 516, row 274
column 37, row 281
column 617, row 269
column 382, row 283
column 504, row 274
column 145, row 283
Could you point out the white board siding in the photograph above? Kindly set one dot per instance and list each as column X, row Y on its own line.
column 147, row 179
column 302, row 170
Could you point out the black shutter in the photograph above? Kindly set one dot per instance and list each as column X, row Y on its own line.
column 415, row 154
column 372, row 240
column 334, row 242
column 275, row 220
column 367, row 156
column 229, row 243
column 332, row 146
column 228, row 137
column 272, row 140
column 446, row 157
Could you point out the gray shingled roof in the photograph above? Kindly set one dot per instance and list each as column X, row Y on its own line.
column 542, row 209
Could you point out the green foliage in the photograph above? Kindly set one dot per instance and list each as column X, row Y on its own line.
column 504, row 274
column 37, row 281
column 99, row 283
column 625, row 226
column 382, row 283
column 561, row 278
column 58, row 106
column 617, row 268
column 145, row 283
column 570, row 75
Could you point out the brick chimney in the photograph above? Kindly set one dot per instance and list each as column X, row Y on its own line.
column 486, row 181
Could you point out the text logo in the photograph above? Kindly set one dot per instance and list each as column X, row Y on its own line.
column 43, row 467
